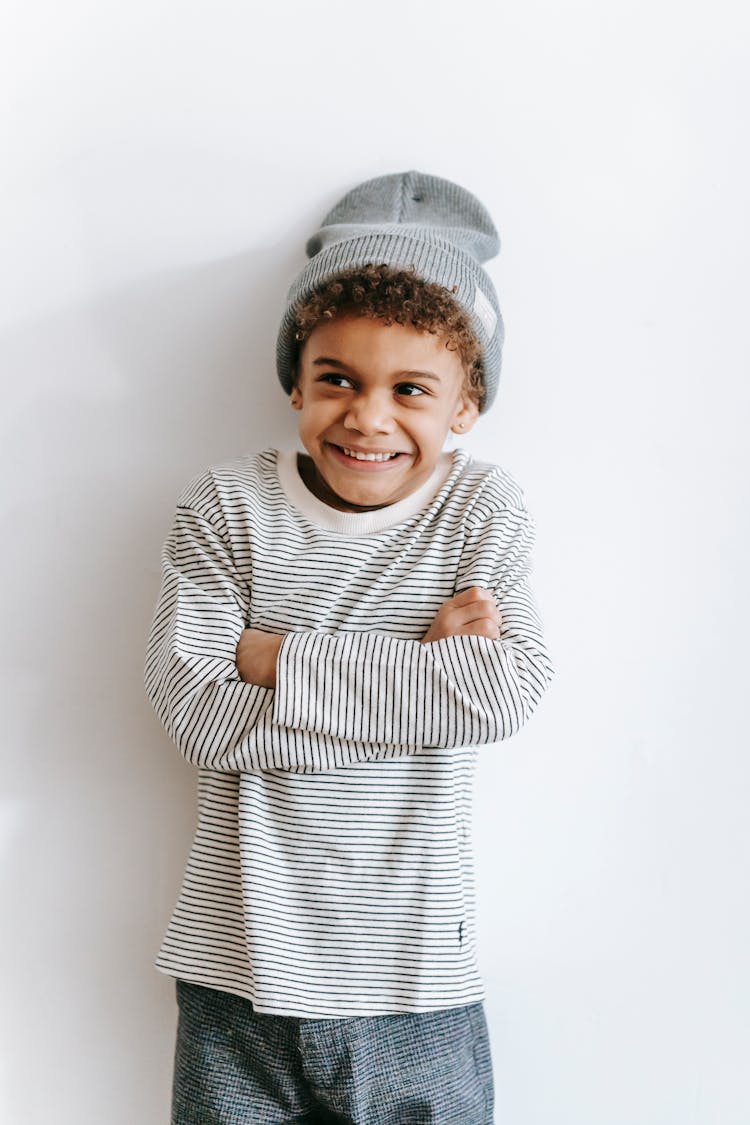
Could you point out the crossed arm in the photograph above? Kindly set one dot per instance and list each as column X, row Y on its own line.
column 340, row 698
column 473, row 612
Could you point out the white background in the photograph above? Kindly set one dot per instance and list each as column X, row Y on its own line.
column 162, row 166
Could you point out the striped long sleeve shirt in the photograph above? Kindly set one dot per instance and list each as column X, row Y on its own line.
column 331, row 870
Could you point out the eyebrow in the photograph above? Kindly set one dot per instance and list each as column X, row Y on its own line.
column 326, row 361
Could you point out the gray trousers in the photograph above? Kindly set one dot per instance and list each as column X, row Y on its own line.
column 236, row 1067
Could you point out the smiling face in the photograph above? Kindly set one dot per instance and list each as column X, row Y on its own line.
column 375, row 404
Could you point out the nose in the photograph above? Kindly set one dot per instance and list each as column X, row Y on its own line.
column 370, row 414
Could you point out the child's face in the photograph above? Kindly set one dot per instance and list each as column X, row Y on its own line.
column 367, row 387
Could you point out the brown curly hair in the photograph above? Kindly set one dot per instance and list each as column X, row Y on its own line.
column 397, row 296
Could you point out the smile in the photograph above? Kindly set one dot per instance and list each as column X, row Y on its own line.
column 356, row 457
column 367, row 456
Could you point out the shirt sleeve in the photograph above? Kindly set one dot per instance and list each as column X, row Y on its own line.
column 459, row 691
column 215, row 719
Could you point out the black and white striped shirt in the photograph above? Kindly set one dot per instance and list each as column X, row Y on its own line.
column 331, row 870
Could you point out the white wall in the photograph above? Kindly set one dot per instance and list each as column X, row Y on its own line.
column 162, row 166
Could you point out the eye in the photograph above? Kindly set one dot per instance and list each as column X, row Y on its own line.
column 335, row 379
column 410, row 390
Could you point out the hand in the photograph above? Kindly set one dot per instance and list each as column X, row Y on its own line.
column 257, row 653
column 473, row 611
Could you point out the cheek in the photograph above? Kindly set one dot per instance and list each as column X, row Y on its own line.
column 312, row 419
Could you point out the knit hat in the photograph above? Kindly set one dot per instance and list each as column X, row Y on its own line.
column 406, row 220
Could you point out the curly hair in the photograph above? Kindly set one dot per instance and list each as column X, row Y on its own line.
column 397, row 296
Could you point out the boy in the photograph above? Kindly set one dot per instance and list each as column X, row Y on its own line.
column 336, row 632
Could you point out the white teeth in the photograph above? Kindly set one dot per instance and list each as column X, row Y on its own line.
column 368, row 456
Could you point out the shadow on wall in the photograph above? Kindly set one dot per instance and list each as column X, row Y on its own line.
column 117, row 403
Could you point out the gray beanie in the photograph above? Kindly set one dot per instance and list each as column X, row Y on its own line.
column 406, row 220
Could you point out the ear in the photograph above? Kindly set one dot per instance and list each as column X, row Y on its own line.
column 295, row 398
column 465, row 416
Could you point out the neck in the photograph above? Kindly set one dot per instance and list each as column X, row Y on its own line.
column 315, row 483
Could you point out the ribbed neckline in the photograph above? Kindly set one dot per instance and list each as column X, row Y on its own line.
column 360, row 523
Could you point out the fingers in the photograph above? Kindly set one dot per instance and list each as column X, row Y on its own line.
column 474, row 595
column 475, row 604
column 482, row 627
column 474, row 611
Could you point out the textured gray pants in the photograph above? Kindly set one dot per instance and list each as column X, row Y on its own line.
column 235, row 1067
